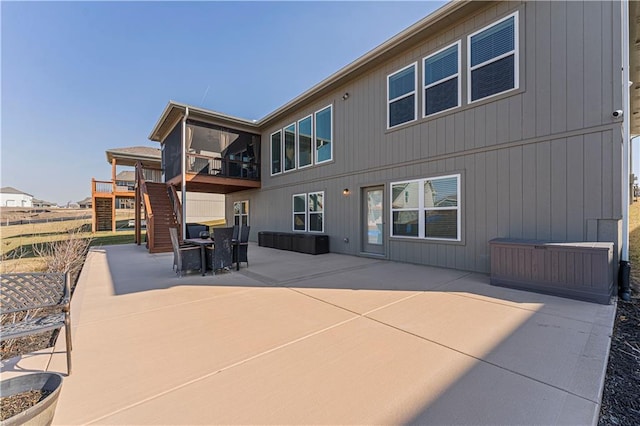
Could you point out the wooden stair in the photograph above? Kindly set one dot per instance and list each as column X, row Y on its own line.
column 163, row 217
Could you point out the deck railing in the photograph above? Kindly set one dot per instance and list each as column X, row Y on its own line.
column 223, row 167
column 102, row 186
column 147, row 205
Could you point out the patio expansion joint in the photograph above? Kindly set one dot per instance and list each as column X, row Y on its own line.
column 223, row 369
column 485, row 361
column 259, row 355
column 366, row 316
column 270, row 281
column 159, row 308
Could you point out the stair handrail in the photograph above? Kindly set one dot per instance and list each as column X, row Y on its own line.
column 177, row 207
column 147, row 204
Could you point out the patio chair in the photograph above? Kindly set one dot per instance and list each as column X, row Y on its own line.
column 236, row 231
column 194, row 229
column 242, row 246
column 185, row 258
column 220, row 256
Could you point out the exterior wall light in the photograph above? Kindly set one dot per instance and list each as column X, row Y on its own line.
column 346, row 192
column 345, row 96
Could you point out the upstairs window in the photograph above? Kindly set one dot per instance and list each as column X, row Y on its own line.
column 290, row 147
column 276, row 152
column 324, row 135
column 442, row 80
column 305, row 142
column 401, row 96
column 493, row 59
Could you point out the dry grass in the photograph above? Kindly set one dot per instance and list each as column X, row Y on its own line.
column 41, row 228
column 17, row 266
column 19, row 243
column 634, row 241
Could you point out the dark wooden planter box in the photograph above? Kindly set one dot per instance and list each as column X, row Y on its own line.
column 581, row 271
column 266, row 239
column 298, row 242
column 310, row 243
column 283, row 241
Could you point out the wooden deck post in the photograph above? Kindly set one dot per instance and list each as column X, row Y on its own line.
column 113, row 195
column 94, row 216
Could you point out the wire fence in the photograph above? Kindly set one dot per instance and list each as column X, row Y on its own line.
column 29, row 221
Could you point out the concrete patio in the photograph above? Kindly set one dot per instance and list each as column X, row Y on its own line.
column 328, row 339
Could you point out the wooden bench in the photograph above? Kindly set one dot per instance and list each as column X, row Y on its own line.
column 34, row 303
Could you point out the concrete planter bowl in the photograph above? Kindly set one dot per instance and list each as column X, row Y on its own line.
column 40, row 413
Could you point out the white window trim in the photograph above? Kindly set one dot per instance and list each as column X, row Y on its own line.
column 271, row 153
column 309, row 213
column 294, row 212
column 407, row 209
column 414, row 92
column 515, row 52
column 240, row 214
column 295, row 147
column 312, row 142
column 314, row 123
column 422, row 209
column 427, row 86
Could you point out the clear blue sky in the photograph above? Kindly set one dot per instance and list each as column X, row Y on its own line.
column 82, row 77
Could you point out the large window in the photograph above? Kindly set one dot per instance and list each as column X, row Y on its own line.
column 401, row 96
column 305, row 142
column 290, row 147
column 241, row 213
column 426, row 208
column 308, row 212
column 276, row 152
column 442, row 80
column 493, row 59
column 302, row 144
column 324, row 135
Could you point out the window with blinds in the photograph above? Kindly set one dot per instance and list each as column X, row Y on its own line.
column 493, row 59
column 427, row 208
column 401, row 96
column 442, row 80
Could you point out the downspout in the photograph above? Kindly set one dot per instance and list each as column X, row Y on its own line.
column 184, row 171
column 625, row 267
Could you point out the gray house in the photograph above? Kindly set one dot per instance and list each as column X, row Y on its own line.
column 483, row 120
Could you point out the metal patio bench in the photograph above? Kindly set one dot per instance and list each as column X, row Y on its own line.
column 33, row 303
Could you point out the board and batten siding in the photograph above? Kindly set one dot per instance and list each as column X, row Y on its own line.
column 540, row 162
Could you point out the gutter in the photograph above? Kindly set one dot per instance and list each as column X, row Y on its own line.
column 184, row 172
column 625, row 267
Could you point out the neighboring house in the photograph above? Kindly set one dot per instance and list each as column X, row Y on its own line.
column 86, row 203
column 43, row 204
column 119, row 192
column 482, row 120
column 11, row 197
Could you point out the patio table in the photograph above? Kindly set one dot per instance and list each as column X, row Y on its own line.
column 203, row 243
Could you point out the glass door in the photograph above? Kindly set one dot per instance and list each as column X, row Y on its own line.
column 373, row 220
